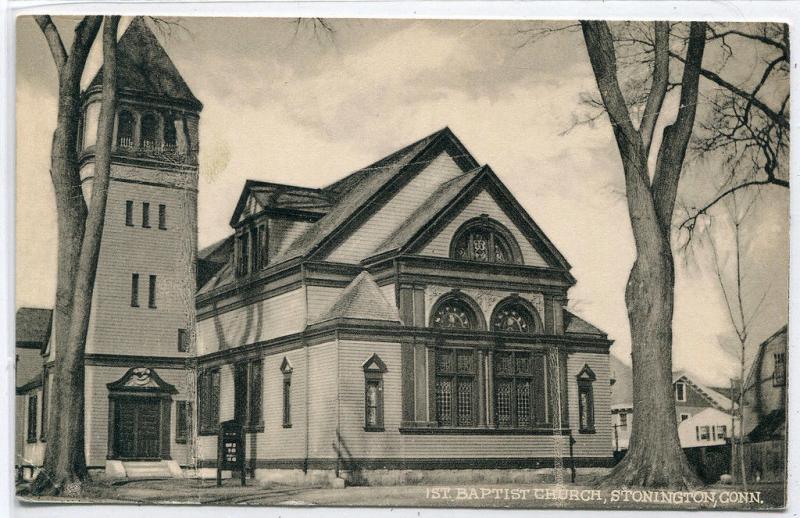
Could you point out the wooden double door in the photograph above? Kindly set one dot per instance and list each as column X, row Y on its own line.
column 137, row 428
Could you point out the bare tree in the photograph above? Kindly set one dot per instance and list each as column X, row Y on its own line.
column 79, row 234
column 654, row 456
column 740, row 301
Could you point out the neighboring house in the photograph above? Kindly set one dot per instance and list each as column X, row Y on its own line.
column 408, row 316
column 704, row 413
column 32, row 334
column 765, row 410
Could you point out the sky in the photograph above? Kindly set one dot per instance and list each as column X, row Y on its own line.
column 285, row 104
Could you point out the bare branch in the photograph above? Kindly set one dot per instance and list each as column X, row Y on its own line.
column 53, row 38
column 658, row 88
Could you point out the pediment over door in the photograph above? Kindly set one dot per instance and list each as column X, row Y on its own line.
column 141, row 379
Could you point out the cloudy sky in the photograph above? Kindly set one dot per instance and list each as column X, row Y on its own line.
column 285, row 105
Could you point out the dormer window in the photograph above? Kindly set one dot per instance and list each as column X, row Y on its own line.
column 485, row 240
column 252, row 249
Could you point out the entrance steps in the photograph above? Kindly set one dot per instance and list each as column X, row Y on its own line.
column 143, row 469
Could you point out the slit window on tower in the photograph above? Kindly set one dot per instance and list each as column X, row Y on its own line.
column 145, row 215
column 151, row 299
column 135, row 290
column 129, row 213
column 162, row 217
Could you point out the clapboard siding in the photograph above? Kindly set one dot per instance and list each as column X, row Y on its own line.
column 396, row 211
column 115, row 326
column 320, row 300
column 389, row 294
column 96, row 393
column 277, row 316
column 323, row 399
column 484, row 203
column 391, row 443
column 598, row 444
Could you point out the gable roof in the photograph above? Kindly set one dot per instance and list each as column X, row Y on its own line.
column 439, row 200
column 285, row 197
column 446, row 202
column 719, row 401
column 355, row 192
column 778, row 338
column 362, row 299
column 143, row 66
column 33, row 327
column 577, row 325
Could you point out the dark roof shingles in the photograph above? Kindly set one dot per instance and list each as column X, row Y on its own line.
column 33, row 325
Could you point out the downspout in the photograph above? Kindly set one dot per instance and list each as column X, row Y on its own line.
column 306, row 390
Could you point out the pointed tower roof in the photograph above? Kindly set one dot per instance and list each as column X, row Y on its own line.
column 362, row 299
column 144, row 67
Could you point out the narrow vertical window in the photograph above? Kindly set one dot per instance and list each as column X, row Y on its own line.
column 162, row 217
column 586, row 400
column 287, row 401
column 129, row 213
column 286, row 368
column 151, row 297
column 145, row 215
column 208, row 400
column 183, row 340
column 373, row 394
column 135, row 290
column 183, row 421
column 32, row 409
column 254, row 404
column 263, row 243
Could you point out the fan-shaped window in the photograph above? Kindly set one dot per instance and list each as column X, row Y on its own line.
column 515, row 316
column 485, row 240
column 149, row 131
column 125, row 125
column 454, row 313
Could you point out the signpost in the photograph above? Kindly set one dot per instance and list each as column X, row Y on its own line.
column 230, row 449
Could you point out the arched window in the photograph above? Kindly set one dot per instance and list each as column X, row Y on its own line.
column 149, row 131
column 125, row 125
column 454, row 312
column 485, row 240
column 516, row 316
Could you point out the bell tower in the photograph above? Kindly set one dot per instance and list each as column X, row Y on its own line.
column 143, row 314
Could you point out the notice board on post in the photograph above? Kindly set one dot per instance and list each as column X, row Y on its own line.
column 230, row 449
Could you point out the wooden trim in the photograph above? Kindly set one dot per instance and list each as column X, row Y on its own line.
column 406, row 463
column 128, row 360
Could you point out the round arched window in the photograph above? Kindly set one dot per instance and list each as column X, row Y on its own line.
column 514, row 318
column 486, row 241
column 454, row 313
column 125, row 124
column 149, row 131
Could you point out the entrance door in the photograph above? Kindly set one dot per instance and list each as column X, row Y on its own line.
column 137, row 426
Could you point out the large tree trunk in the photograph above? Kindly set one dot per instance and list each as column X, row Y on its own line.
column 71, row 215
column 65, row 466
column 654, row 457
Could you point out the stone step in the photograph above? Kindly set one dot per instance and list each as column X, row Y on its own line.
column 147, row 469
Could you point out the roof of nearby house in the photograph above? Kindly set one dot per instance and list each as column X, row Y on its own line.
column 720, row 401
column 362, row 299
column 33, row 327
column 144, row 66
column 778, row 339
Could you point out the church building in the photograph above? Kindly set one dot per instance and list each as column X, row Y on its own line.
column 409, row 317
